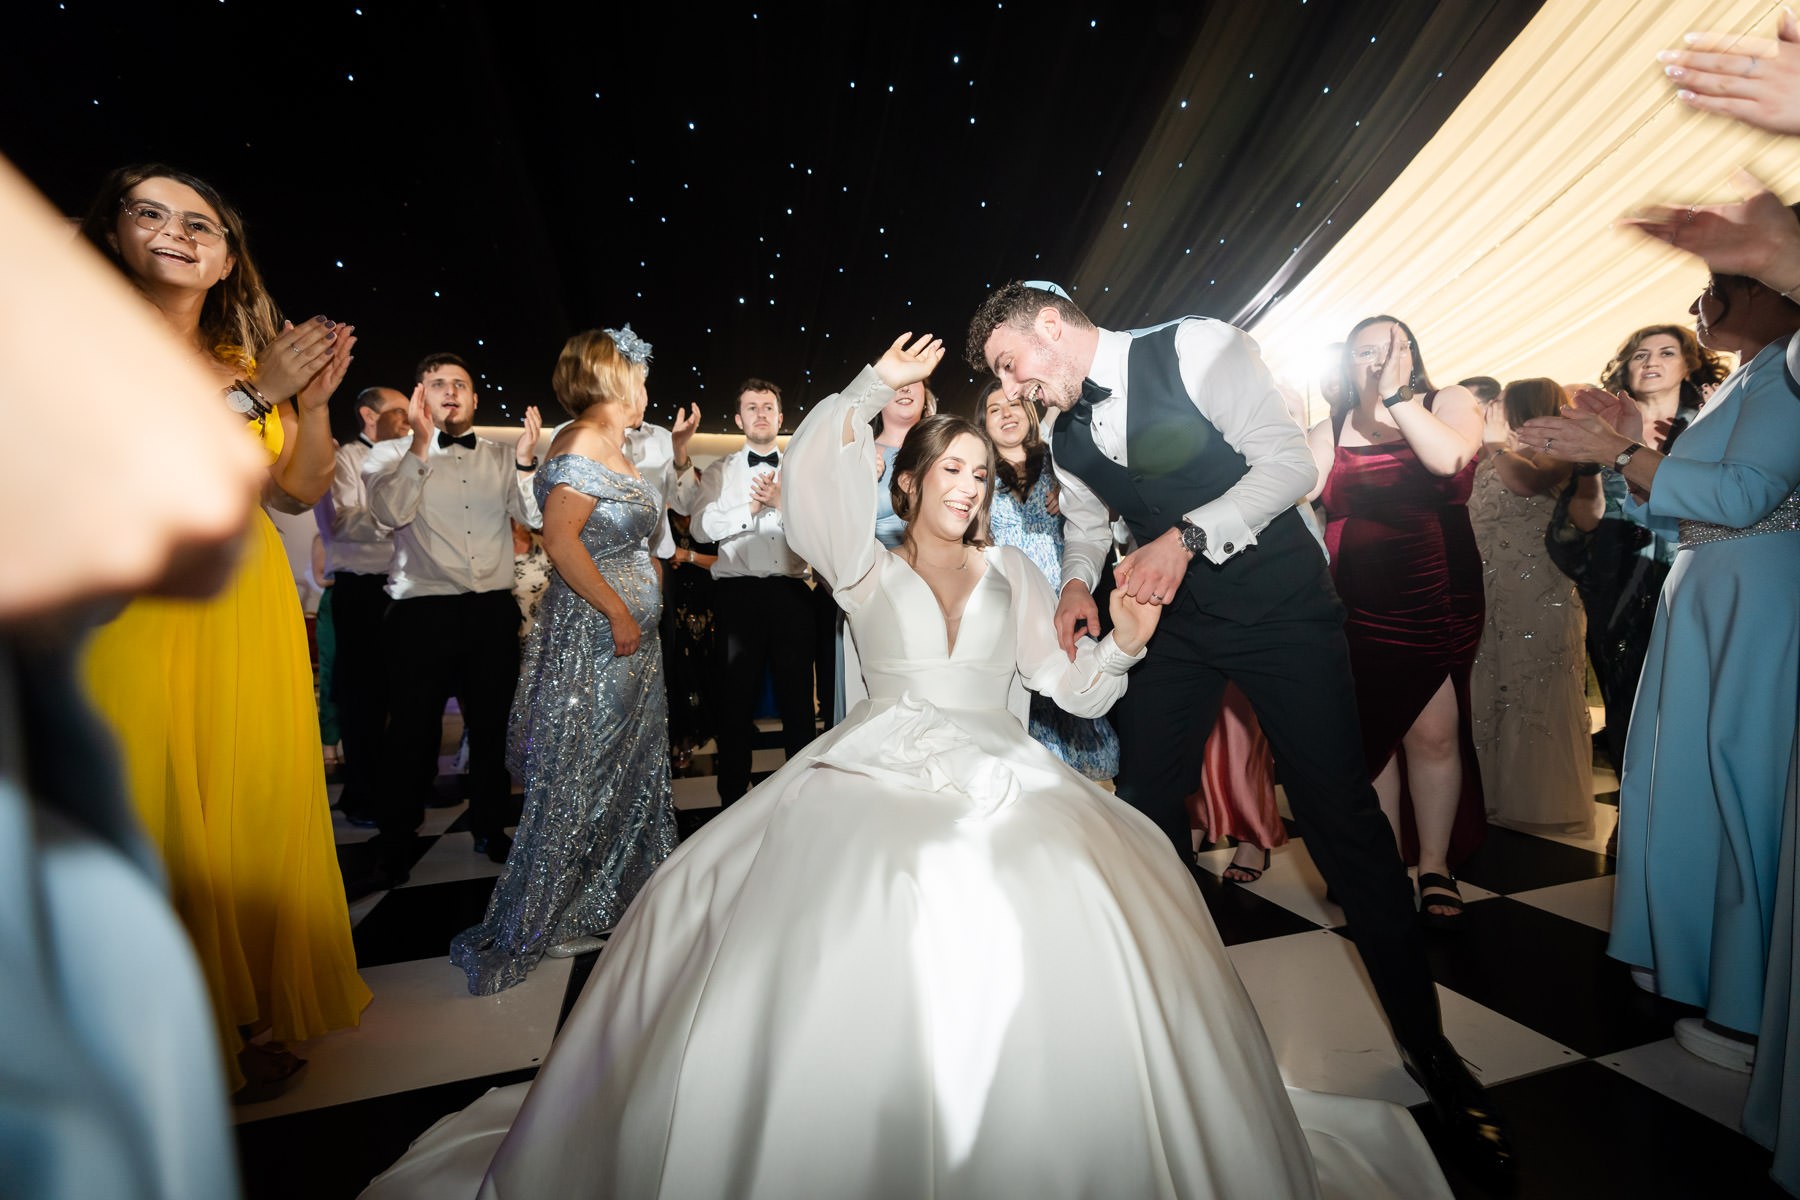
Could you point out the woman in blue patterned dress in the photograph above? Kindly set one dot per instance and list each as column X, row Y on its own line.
column 1025, row 514
column 589, row 734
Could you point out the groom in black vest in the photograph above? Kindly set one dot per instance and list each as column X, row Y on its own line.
column 1182, row 431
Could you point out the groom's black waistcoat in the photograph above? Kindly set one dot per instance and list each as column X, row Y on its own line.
column 1179, row 461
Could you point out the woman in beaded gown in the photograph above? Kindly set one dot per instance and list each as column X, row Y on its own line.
column 1395, row 470
column 589, row 734
column 1711, row 748
column 1529, row 690
column 926, row 958
column 1024, row 514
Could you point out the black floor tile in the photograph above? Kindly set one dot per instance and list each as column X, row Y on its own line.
column 357, row 859
column 687, row 820
column 1244, row 916
column 332, row 1153
column 1551, row 975
column 1509, row 861
column 418, row 922
column 1583, row 1132
column 579, row 970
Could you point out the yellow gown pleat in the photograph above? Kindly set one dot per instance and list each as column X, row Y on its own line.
column 212, row 703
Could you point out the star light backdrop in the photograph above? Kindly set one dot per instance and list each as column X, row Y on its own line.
column 775, row 191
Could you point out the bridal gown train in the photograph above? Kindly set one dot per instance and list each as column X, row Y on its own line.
column 925, row 960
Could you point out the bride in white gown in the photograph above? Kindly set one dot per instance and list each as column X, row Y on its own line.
column 927, row 959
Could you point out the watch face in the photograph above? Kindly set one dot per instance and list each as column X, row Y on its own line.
column 240, row 401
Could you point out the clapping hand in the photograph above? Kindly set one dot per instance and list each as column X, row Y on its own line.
column 1575, row 436
column 686, row 423
column 317, row 391
column 1397, row 367
column 765, row 492
column 1617, row 411
column 1133, row 621
column 903, row 364
column 1756, row 236
column 1753, row 80
column 526, row 452
column 293, row 357
column 420, row 421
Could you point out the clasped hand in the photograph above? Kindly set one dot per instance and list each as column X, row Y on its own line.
column 765, row 492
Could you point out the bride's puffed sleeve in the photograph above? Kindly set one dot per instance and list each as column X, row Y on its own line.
column 1086, row 687
column 828, row 478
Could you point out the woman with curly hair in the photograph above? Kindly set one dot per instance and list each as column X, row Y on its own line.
column 212, row 700
column 1667, row 374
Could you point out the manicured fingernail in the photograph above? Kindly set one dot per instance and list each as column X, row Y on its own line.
column 1675, row 72
column 331, row 324
column 1690, row 38
column 1664, row 56
column 320, row 317
column 1685, row 94
column 331, row 337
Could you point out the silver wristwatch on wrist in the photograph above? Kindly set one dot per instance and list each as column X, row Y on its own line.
column 1624, row 456
column 1192, row 536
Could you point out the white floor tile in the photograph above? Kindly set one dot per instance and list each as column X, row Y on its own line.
column 424, row 1028
column 439, row 819
column 1293, row 882
column 1666, row 1068
column 450, row 858
column 700, row 791
column 1605, row 817
column 1328, row 1034
column 1586, row 900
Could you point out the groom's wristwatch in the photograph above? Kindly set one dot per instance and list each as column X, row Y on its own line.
column 1192, row 536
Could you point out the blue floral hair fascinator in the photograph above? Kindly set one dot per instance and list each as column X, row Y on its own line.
column 629, row 344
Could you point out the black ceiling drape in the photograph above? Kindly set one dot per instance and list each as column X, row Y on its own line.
column 762, row 190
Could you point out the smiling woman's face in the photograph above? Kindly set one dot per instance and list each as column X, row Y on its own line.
column 171, row 256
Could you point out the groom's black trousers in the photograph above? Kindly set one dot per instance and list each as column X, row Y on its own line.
column 1294, row 667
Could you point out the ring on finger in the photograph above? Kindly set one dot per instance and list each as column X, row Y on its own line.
column 294, row 346
column 1751, row 69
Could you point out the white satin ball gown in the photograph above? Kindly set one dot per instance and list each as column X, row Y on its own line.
column 925, row 960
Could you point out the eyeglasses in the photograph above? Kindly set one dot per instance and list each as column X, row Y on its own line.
column 1366, row 354
column 147, row 214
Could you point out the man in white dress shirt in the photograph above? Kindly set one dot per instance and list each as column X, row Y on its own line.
column 358, row 550
column 1181, row 429
column 661, row 457
column 450, row 498
column 762, row 609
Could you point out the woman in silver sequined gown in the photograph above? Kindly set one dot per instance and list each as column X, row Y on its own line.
column 589, row 734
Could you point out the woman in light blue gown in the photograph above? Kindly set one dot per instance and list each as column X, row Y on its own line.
column 1711, row 744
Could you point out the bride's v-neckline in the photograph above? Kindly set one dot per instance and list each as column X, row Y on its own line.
column 950, row 643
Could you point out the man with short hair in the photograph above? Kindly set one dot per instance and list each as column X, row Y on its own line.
column 762, row 610
column 450, row 498
column 1182, row 430
column 1486, row 388
column 358, row 551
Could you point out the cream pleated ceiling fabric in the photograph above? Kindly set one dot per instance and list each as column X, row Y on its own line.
column 1496, row 243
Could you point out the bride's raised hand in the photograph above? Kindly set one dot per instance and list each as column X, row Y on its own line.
column 904, row 364
column 1133, row 621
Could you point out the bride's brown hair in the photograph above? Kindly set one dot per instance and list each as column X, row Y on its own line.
column 927, row 442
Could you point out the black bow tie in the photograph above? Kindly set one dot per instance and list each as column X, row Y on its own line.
column 757, row 460
column 466, row 441
column 1091, row 394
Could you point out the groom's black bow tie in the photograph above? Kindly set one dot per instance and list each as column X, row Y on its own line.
column 772, row 459
column 1091, row 394
column 466, row 441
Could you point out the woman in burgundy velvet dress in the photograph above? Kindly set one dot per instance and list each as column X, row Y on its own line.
column 1396, row 465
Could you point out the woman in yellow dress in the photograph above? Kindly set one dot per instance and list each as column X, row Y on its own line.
column 211, row 700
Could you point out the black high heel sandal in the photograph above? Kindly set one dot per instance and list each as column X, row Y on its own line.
column 1451, row 897
column 1255, row 873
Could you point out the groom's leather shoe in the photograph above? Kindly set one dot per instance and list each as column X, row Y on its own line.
column 1472, row 1124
